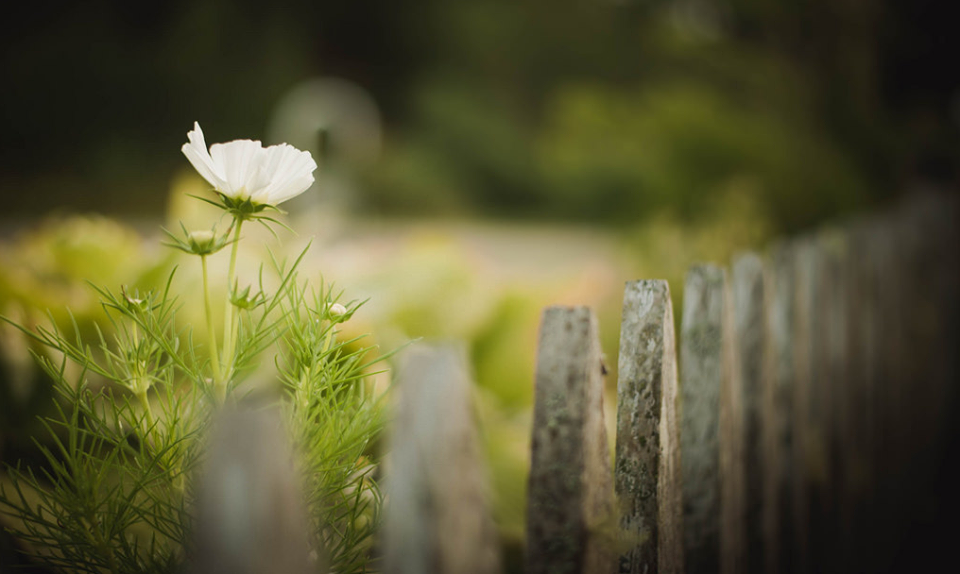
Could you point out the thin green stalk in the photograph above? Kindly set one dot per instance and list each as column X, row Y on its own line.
column 326, row 344
column 145, row 403
column 230, row 312
column 142, row 394
column 302, row 398
column 96, row 538
column 212, row 333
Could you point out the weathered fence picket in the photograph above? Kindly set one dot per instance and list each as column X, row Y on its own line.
column 732, row 469
column 920, row 405
column 249, row 513
column 836, row 390
column 864, row 383
column 438, row 517
column 779, row 378
column 708, row 436
column 806, row 386
column 815, row 398
column 647, row 468
column 808, row 453
column 748, row 306
column 570, row 518
column 816, row 430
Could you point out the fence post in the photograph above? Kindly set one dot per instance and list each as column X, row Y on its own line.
column 249, row 506
column 437, row 517
column 778, row 412
column 836, row 390
column 710, row 437
column 920, row 360
column 569, row 506
column 647, row 472
column 861, row 413
column 748, row 304
column 811, row 415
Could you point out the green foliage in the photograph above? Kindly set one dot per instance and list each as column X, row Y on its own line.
column 869, row 76
column 43, row 274
column 502, row 352
column 622, row 154
column 466, row 151
column 112, row 494
column 676, row 145
column 616, row 113
column 117, row 482
column 46, row 267
column 335, row 421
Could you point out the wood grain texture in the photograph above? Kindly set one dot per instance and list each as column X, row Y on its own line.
column 249, row 507
column 438, row 516
column 748, row 303
column 778, row 412
column 647, row 474
column 569, row 503
column 701, row 372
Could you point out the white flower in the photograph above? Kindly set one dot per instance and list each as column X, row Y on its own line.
column 244, row 170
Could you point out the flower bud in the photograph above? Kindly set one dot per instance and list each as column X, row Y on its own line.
column 244, row 300
column 139, row 383
column 134, row 303
column 337, row 313
column 201, row 240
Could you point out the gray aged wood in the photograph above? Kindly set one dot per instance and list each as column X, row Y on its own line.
column 748, row 304
column 919, row 375
column 886, row 319
column 929, row 269
column 935, row 296
column 832, row 390
column 810, row 451
column 437, row 517
column 732, row 446
column 779, row 379
column 860, row 448
column 570, row 518
column 704, row 365
column 249, row 507
column 647, row 475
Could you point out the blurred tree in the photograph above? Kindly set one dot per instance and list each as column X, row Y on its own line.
column 470, row 92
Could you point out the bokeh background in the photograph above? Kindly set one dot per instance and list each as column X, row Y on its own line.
column 479, row 159
column 590, row 110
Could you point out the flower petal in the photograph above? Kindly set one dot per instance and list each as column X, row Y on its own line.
column 291, row 173
column 199, row 157
column 241, row 163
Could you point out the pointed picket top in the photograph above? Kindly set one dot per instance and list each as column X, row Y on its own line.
column 647, row 474
column 437, row 517
column 570, row 518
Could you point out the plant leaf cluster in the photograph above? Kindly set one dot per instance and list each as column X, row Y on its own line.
column 123, row 446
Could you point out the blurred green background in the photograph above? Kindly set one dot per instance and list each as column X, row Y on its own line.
column 599, row 110
column 478, row 159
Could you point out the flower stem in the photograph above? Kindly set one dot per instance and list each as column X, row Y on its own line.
column 95, row 536
column 230, row 316
column 212, row 334
column 145, row 403
column 302, row 395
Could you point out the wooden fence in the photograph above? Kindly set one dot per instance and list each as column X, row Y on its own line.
column 812, row 428
column 809, row 430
